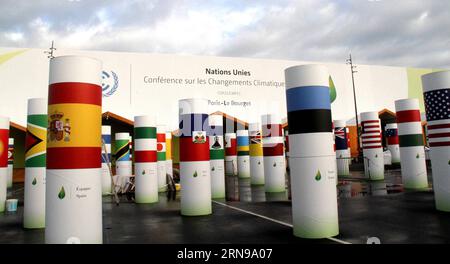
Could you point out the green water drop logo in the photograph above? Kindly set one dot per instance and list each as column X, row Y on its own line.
column 62, row 193
column 417, row 156
column 143, row 172
column 213, row 169
column 333, row 93
column 376, row 155
column 340, row 156
column 259, row 162
column 274, row 164
column 195, row 174
column 318, row 176
column 34, row 181
column 448, row 162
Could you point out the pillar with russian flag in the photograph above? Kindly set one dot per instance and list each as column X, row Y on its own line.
column 9, row 180
column 169, row 162
column 217, row 156
column 410, row 139
column 243, row 158
column 436, row 94
column 106, row 158
column 391, row 132
column 341, row 141
column 73, row 182
column 161, row 156
column 35, row 162
column 145, row 159
column 312, row 156
column 256, row 154
column 122, row 158
column 372, row 146
column 273, row 150
column 231, row 167
column 4, row 135
column 195, row 177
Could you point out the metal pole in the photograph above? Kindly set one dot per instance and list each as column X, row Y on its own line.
column 350, row 61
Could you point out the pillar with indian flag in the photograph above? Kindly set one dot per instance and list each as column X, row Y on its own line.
column 161, row 156
column 35, row 162
column 243, row 158
column 410, row 138
column 106, row 158
column 391, row 132
column 195, row 177
column 273, row 150
column 169, row 162
column 436, row 94
column 9, row 180
column 231, row 168
column 256, row 154
column 122, row 158
column 372, row 146
column 145, row 160
column 4, row 135
column 312, row 156
column 73, row 182
column 341, row 141
column 217, row 155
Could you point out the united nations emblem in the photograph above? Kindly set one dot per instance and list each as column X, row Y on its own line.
column 57, row 129
column 110, row 83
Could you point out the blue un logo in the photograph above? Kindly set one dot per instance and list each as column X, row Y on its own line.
column 110, row 83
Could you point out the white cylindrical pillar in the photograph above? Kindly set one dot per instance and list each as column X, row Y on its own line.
column 217, row 155
column 391, row 132
column 106, row 158
column 243, row 153
column 4, row 135
column 372, row 146
column 161, row 156
column 341, row 140
column 256, row 154
column 273, row 150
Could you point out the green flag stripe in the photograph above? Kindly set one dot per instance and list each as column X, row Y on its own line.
column 38, row 120
column 243, row 153
column 145, row 132
column 411, row 140
column 161, row 156
column 37, row 161
column 217, row 154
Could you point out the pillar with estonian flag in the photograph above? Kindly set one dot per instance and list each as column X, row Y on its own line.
column 230, row 154
column 312, row 156
column 73, row 183
column 391, row 132
column 4, row 135
column 35, row 159
column 195, row 177
column 145, row 160
column 256, row 154
column 217, row 154
column 161, row 155
column 412, row 152
column 372, row 146
column 436, row 94
column 106, row 157
column 122, row 157
column 341, row 141
column 9, row 180
column 273, row 150
column 243, row 155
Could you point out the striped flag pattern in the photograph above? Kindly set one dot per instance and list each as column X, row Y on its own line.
column 106, row 157
column 341, row 141
column 161, row 156
column 217, row 155
column 256, row 154
column 372, row 146
column 391, row 132
column 4, row 135
column 243, row 153
column 9, row 181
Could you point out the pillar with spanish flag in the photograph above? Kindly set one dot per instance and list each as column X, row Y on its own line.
column 195, row 177
column 311, row 152
column 106, row 157
column 9, row 180
column 231, row 168
column 391, row 132
column 217, row 155
column 436, row 94
column 371, row 145
column 4, row 135
column 256, row 154
column 410, row 139
column 341, row 140
column 145, row 160
column 243, row 158
column 73, row 182
column 161, row 156
column 273, row 150
column 122, row 158
column 35, row 162
column 169, row 163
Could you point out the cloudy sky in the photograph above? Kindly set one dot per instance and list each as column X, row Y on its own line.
column 386, row 32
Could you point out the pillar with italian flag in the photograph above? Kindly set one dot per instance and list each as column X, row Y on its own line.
column 9, row 180
column 391, row 132
column 341, row 141
column 73, row 182
column 273, row 150
column 145, row 160
column 4, row 135
column 169, row 163
column 161, row 156
column 35, row 161
column 312, row 156
column 195, row 177
column 410, row 139
column 436, row 94
column 231, row 167
column 243, row 158
column 106, row 157
column 372, row 147
column 256, row 154
column 217, row 155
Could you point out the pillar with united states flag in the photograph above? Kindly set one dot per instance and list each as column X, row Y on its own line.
column 436, row 94
column 73, row 183
column 391, row 133
column 312, row 157
column 161, row 148
column 341, row 141
column 195, row 177
column 372, row 146
column 412, row 152
column 4, row 135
